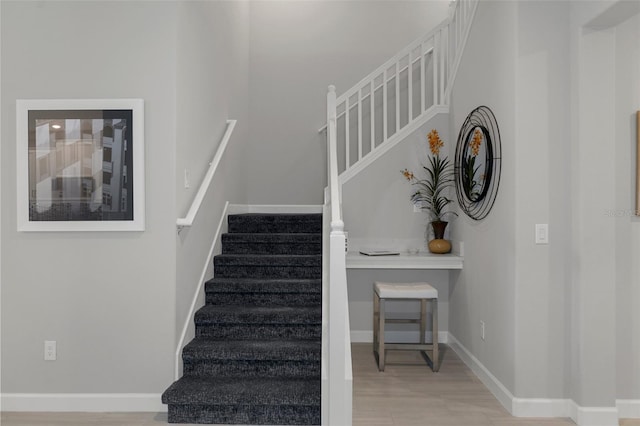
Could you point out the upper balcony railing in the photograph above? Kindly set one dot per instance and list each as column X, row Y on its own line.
column 400, row 92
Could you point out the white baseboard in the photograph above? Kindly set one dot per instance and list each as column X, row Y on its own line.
column 593, row 416
column 83, row 402
column 273, row 208
column 544, row 407
column 583, row 416
column 628, row 408
column 366, row 336
column 498, row 390
column 540, row 407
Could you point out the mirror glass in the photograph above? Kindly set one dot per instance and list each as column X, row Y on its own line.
column 476, row 167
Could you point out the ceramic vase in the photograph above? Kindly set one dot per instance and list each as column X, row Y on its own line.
column 439, row 245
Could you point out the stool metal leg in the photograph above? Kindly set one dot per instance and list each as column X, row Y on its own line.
column 434, row 320
column 381, row 349
column 423, row 320
column 376, row 323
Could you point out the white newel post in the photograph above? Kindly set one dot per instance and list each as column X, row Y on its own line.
column 340, row 376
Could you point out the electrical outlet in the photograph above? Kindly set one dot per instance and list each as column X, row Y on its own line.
column 50, row 352
column 482, row 330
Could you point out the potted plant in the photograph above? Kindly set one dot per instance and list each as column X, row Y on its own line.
column 431, row 193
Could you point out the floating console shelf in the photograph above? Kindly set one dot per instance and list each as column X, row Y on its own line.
column 405, row 261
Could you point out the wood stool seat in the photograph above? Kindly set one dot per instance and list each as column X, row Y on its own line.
column 422, row 292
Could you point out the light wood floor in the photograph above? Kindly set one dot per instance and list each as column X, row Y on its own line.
column 406, row 394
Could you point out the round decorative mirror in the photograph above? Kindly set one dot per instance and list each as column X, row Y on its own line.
column 478, row 163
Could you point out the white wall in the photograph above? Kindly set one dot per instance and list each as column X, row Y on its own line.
column 202, row 92
column 108, row 299
column 627, row 226
column 485, row 288
column 212, row 84
column 605, row 234
column 378, row 214
column 565, row 93
column 595, row 272
column 212, row 72
column 377, row 209
column 297, row 50
column 542, row 155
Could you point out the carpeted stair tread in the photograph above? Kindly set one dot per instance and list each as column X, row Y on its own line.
column 194, row 390
column 245, row 414
column 263, row 292
column 267, row 266
column 275, row 260
column 272, row 243
column 279, row 223
column 272, row 237
column 236, row 331
column 263, row 285
column 285, row 315
column 264, row 299
column 201, row 349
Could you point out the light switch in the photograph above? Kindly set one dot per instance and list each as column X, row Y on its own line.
column 542, row 233
column 187, row 179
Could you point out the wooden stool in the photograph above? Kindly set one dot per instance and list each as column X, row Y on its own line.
column 410, row 291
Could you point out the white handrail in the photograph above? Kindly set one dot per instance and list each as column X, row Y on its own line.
column 194, row 301
column 372, row 77
column 393, row 83
column 462, row 17
column 187, row 221
column 391, row 62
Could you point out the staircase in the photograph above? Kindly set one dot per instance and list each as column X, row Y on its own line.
column 257, row 352
column 259, row 345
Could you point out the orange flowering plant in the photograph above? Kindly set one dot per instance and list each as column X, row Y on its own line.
column 431, row 192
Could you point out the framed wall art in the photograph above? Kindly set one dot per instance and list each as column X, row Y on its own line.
column 80, row 165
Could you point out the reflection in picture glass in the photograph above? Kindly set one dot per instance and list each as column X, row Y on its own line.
column 80, row 165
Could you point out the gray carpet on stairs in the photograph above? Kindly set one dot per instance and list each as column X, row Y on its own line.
column 257, row 352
